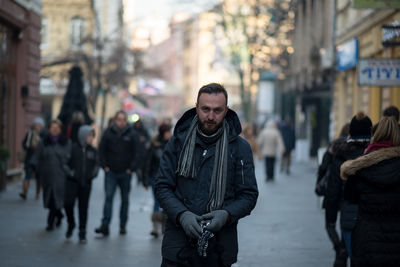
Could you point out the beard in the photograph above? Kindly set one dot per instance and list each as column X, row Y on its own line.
column 209, row 127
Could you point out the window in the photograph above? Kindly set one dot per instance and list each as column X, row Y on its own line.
column 44, row 32
column 77, row 31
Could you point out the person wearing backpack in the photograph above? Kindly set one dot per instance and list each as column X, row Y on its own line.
column 321, row 188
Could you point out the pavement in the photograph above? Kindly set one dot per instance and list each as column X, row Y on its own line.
column 286, row 228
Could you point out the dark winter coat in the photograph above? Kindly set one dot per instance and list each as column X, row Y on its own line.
column 288, row 136
column 153, row 159
column 342, row 150
column 374, row 183
column 178, row 194
column 84, row 161
column 118, row 149
column 51, row 162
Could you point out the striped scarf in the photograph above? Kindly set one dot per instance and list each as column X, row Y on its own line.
column 186, row 164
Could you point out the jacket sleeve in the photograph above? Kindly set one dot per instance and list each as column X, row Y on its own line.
column 165, row 182
column 96, row 167
column 102, row 150
column 148, row 166
column 281, row 145
column 246, row 191
column 134, row 150
column 27, row 140
column 35, row 160
column 334, row 193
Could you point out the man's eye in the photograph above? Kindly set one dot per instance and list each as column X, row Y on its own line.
column 205, row 109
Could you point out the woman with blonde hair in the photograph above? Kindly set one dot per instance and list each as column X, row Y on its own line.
column 373, row 182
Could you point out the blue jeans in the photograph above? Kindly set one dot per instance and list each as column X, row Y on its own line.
column 347, row 241
column 112, row 180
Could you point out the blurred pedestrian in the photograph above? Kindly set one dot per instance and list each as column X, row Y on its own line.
column 50, row 161
column 142, row 148
column 289, row 140
column 342, row 150
column 84, row 164
column 77, row 120
column 392, row 111
column 30, row 144
column 270, row 141
column 158, row 144
column 373, row 182
column 324, row 173
column 248, row 135
column 117, row 157
column 205, row 184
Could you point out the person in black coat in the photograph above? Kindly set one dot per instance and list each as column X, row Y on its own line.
column 205, row 184
column 157, row 147
column 84, row 164
column 324, row 172
column 289, row 140
column 50, row 162
column 117, row 157
column 342, row 150
column 142, row 148
column 373, row 182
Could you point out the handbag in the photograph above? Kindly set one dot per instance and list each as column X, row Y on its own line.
column 321, row 187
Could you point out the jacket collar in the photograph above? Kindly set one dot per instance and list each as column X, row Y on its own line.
column 350, row 167
column 231, row 117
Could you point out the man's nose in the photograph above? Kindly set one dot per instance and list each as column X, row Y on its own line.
column 211, row 116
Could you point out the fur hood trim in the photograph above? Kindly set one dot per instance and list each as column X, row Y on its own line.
column 350, row 167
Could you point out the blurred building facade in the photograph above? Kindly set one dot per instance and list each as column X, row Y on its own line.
column 306, row 90
column 359, row 36
column 20, row 26
column 88, row 33
column 67, row 28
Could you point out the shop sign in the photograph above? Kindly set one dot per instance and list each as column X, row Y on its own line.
column 347, row 55
column 379, row 72
column 376, row 3
column 390, row 35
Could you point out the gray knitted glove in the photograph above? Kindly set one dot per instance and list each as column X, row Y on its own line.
column 218, row 219
column 191, row 224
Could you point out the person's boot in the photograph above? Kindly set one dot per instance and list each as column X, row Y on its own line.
column 154, row 232
column 122, row 230
column 70, row 230
column 59, row 218
column 82, row 236
column 341, row 258
column 103, row 229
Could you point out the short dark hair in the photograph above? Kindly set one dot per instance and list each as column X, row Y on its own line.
column 391, row 111
column 213, row 88
column 120, row 112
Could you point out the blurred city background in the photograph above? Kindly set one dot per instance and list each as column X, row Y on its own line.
column 300, row 59
column 316, row 62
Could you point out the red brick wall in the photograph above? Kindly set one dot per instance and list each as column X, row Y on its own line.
column 26, row 24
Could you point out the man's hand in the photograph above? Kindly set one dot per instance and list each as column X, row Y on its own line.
column 218, row 219
column 190, row 224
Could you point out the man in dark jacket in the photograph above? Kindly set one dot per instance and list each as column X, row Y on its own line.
column 117, row 154
column 84, row 164
column 206, row 176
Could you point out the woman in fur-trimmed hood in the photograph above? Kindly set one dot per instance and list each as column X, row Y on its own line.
column 373, row 182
